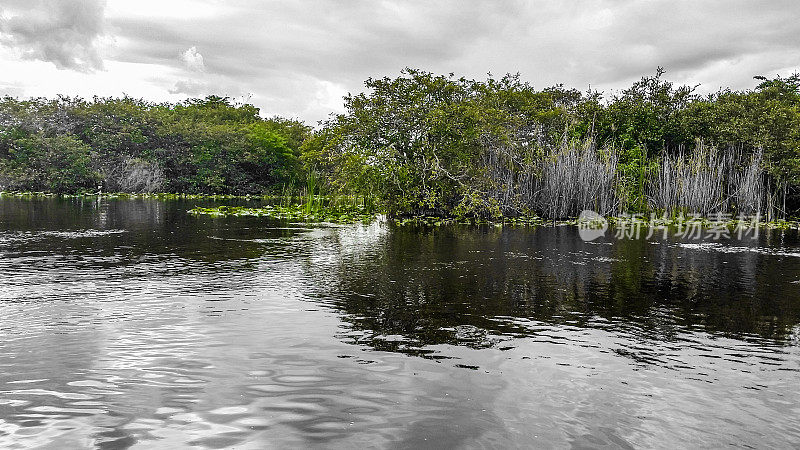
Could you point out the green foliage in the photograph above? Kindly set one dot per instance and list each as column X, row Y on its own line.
column 767, row 118
column 431, row 145
column 206, row 145
column 312, row 209
column 55, row 164
column 646, row 115
column 425, row 145
column 417, row 141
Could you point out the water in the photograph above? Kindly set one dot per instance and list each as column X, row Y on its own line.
column 130, row 324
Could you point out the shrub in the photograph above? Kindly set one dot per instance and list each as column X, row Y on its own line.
column 57, row 164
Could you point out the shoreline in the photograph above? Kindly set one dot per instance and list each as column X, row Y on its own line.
column 355, row 214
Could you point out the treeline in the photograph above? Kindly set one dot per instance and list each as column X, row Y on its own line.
column 69, row 145
column 426, row 144
column 439, row 145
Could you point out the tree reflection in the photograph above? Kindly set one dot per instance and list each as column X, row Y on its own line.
column 405, row 289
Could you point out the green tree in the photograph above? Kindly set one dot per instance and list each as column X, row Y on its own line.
column 58, row 164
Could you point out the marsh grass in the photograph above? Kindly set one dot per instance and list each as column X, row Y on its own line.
column 559, row 183
column 134, row 175
column 552, row 182
column 577, row 177
column 748, row 189
column 693, row 183
column 710, row 181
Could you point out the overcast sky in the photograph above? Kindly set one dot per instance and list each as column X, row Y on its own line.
column 298, row 58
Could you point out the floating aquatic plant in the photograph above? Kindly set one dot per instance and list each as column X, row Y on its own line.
column 297, row 212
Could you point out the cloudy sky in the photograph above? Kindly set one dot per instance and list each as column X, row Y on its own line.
column 298, row 58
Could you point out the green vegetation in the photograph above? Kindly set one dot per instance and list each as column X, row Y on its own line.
column 309, row 208
column 429, row 146
column 296, row 212
column 208, row 146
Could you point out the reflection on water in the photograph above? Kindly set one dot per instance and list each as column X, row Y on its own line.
column 130, row 324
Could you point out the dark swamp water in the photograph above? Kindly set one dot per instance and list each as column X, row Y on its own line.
column 131, row 324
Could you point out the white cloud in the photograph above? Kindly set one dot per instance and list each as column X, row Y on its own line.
column 193, row 59
column 63, row 32
column 298, row 58
column 191, row 88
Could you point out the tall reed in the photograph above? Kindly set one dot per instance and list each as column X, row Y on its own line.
column 708, row 181
column 133, row 175
column 576, row 177
column 747, row 187
column 561, row 182
column 693, row 184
